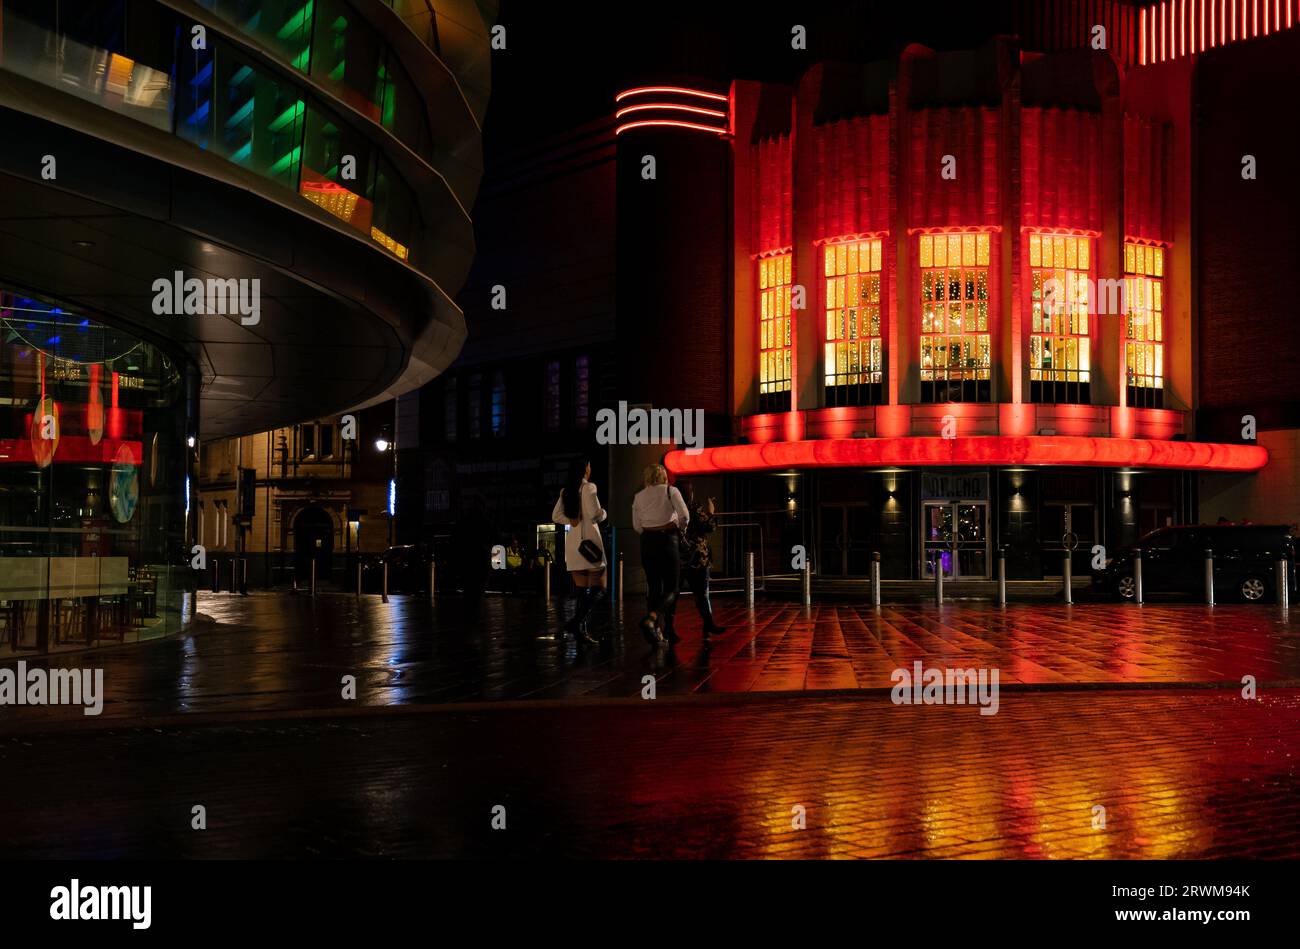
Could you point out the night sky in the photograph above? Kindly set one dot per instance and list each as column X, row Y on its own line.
column 564, row 63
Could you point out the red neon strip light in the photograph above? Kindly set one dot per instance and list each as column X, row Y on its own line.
column 1182, row 28
column 668, row 105
column 1142, row 32
column 670, row 122
column 71, row 449
column 680, row 90
column 1164, row 30
column 1079, row 450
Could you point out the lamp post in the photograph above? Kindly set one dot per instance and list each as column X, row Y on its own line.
column 385, row 443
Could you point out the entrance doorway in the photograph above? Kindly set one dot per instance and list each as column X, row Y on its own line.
column 1068, row 525
column 844, row 540
column 955, row 535
column 313, row 539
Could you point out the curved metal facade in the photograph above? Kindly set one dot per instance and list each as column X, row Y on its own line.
column 323, row 151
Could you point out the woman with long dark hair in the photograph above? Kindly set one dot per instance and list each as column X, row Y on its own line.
column 578, row 508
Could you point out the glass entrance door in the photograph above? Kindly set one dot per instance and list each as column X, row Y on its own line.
column 845, row 540
column 954, row 534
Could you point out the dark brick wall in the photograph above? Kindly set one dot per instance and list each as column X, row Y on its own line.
column 1249, row 231
column 674, row 252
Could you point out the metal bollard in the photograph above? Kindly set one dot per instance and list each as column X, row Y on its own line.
column 1002, row 576
column 1067, row 578
column 385, row 594
column 1137, row 576
column 807, row 584
column 358, row 578
column 313, row 577
column 243, row 574
column 620, row 578
column 1283, row 585
column 433, row 578
column 234, row 574
column 749, row 579
column 875, row 578
column 1209, row 577
column 938, row 581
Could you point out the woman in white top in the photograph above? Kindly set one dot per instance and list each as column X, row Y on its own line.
column 659, row 515
column 579, row 509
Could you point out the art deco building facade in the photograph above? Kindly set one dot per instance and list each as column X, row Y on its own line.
column 313, row 161
column 968, row 305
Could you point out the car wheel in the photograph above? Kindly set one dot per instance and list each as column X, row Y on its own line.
column 1252, row 589
column 1127, row 587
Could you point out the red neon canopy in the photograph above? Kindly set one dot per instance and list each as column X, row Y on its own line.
column 1079, row 450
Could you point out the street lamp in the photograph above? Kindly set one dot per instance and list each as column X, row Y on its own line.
column 384, row 443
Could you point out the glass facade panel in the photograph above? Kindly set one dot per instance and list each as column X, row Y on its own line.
column 94, row 483
column 135, row 58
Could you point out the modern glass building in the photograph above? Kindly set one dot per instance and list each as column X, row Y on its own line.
column 216, row 217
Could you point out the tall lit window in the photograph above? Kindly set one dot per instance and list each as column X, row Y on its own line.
column 551, row 397
column 956, row 358
column 774, row 281
column 581, row 391
column 1059, row 351
column 1144, row 330
column 498, row 404
column 854, row 357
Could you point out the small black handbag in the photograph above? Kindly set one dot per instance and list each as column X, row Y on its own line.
column 589, row 549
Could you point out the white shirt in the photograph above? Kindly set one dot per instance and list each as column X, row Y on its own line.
column 658, row 505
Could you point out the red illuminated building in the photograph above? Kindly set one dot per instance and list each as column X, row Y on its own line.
column 1023, row 295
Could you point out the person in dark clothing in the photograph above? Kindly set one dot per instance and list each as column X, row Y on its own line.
column 473, row 539
column 697, row 555
column 659, row 515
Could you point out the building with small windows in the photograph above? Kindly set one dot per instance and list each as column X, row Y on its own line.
column 273, row 503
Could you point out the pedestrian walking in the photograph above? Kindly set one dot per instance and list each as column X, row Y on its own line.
column 578, row 508
column 697, row 556
column 659, row 515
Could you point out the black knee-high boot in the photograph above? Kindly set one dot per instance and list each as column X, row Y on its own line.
column 578, row 621
column 597, row 620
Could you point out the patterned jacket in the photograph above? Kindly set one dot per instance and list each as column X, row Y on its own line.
column 698, row 553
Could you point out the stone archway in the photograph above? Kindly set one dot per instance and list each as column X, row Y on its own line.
column 313, row 539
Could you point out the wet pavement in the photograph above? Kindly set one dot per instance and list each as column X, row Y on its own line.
column 1180, row 773
column 277, row 652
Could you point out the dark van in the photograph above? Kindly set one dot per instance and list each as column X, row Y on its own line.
column 1173, row 562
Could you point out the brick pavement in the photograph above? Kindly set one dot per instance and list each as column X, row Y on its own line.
column 277, row 652
column 1182, row 773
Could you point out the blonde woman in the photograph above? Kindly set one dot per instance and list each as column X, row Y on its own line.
column 578, row 508
column 659, row 515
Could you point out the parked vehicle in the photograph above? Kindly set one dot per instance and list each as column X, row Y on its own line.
column 1173, row 562
column 408, row 570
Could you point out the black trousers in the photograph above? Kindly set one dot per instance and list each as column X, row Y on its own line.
column 697, row 578
column 662, row 561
